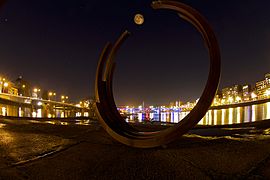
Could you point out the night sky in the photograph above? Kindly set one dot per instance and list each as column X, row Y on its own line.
column 55, row 44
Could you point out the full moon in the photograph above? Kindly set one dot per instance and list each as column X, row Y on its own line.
column 139, row 19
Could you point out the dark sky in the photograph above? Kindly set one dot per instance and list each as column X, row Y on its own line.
column 55, row 44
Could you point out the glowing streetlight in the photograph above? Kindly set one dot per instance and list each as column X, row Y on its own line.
column 23, row 86
column 64, row 98
column 5, row 86
column 36, row 92
column 50, row 94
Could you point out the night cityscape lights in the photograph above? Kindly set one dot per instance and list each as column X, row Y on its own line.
column 236, row 94
column 233, row 95
column 22, row 88
column 20, row 99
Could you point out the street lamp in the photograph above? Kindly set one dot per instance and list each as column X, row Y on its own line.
column 5, row 86
column 63, row 99
column 50, row 94
column 23, row 90
column 36, row 91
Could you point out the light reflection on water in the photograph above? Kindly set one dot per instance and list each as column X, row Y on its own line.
column 231, row 115
column 267, row 110
column 238, row 117
column 223, row 116
column 253, row 119
column 213, row 117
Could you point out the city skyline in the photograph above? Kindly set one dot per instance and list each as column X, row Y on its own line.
column 56, row 44
column 235, row 93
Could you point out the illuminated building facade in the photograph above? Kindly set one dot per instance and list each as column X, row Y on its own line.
column 232, row 94
column 24, row 88
column 8, row 87
column 263, row 87
column 247, row 92
column 218, row 99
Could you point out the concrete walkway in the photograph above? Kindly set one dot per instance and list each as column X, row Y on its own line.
column 33, row 150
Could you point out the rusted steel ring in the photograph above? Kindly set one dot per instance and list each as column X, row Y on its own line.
column 107, row 112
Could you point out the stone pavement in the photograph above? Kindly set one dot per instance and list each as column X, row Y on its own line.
column 33, row 150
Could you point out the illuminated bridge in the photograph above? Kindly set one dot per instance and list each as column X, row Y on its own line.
column 20, row 106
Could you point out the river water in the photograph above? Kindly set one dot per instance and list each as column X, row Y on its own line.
column 226, row 116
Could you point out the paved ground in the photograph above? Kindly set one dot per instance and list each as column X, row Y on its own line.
column 33, row 150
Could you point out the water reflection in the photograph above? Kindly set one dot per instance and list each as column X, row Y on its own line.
column 140, row 118
column 267, row 107
column 176, row 117
column 213, row 117
column 230, row 116
column 238, row 116
column 223, row 116
column 163, row 117
column 247, row 112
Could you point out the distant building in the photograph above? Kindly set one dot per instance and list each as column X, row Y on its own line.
column 233, row 91
column 8, row 87
column 12, row 89
column 232, row 94
column 247, row 92
column 217, row 100
column 263, row 87
column 24, row 88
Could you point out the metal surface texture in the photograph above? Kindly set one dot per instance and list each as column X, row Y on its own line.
column 106, row 109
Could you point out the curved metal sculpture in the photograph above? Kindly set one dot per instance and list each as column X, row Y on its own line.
column 107, row 112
